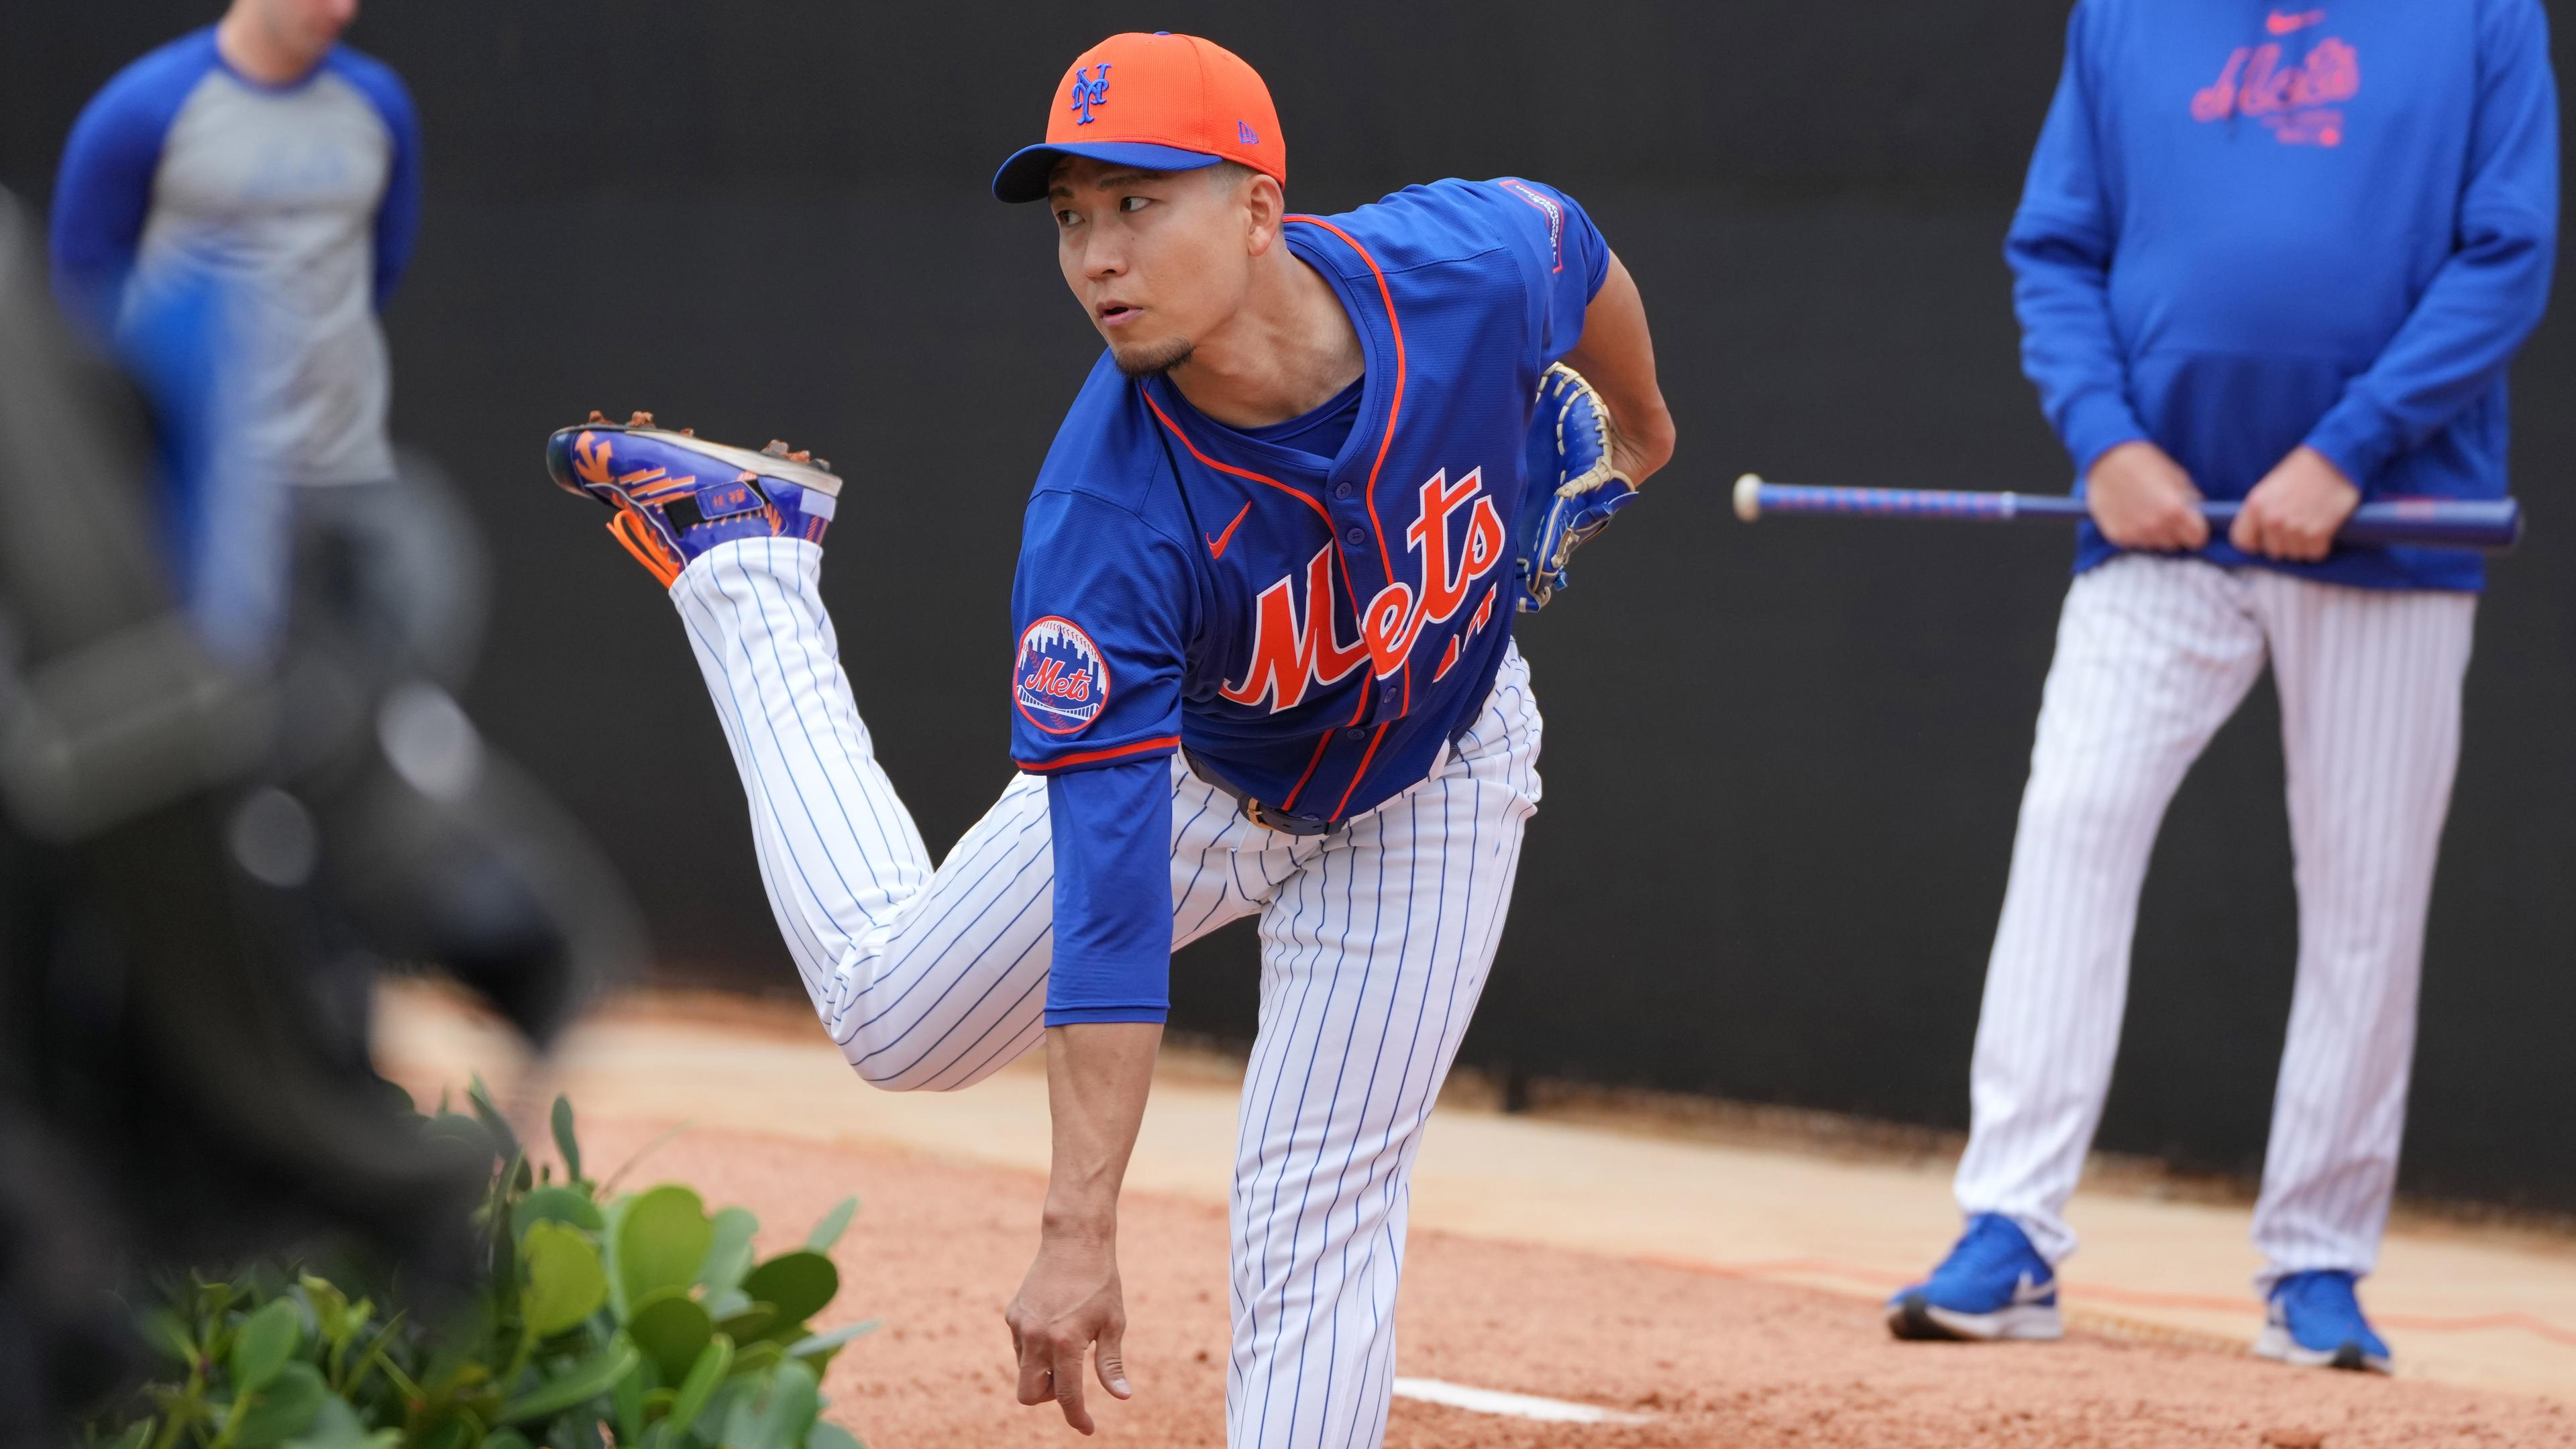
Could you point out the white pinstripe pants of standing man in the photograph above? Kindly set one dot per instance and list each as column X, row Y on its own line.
column 2153, row 655
column 1375, row 943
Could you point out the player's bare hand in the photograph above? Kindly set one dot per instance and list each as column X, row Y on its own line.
column 2142, row 499
column 1070, row 1303
column 2294, row 512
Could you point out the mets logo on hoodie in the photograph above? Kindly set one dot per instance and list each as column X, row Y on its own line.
column 1061, row 682
column 2300, row 101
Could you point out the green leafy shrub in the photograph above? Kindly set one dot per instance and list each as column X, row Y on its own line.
column 641, row 1321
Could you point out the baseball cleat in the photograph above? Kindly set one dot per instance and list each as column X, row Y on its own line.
column 678, row 495
column 1994, row 1285
column 2313, row 1320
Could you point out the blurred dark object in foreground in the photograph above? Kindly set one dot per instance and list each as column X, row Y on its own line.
column 202, row 870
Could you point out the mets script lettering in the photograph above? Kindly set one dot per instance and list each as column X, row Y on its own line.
column 1290, row 652
column 2298, row 103
column 1050, row 680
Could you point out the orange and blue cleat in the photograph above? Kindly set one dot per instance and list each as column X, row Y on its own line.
column 678, row 495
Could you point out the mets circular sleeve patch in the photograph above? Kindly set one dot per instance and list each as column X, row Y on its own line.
column 1061, row 681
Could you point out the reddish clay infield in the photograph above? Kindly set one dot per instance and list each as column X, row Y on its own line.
column 938, row 1249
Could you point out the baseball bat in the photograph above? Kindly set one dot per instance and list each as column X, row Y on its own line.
column 2488, row 523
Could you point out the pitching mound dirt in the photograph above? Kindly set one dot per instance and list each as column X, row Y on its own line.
column 938, row 1249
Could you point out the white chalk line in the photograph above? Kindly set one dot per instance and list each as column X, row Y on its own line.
column 1517, row 1406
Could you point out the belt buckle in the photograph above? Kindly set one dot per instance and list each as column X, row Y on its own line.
column 1253, row 812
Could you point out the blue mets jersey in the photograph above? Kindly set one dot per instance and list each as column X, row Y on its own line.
column 1313, row 626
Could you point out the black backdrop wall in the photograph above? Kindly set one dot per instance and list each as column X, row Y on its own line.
column 1783, row 762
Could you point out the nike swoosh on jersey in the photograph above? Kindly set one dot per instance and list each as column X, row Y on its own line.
column 1216, row 545
column 2280, row 24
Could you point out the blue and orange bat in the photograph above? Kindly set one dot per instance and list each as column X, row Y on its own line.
column 2488, row 523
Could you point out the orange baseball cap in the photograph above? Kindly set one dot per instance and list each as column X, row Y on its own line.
column 1162, row 102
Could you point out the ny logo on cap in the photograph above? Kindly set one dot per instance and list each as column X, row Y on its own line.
column 1088, row 92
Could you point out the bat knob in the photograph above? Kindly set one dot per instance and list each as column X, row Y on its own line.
column 1748, row 497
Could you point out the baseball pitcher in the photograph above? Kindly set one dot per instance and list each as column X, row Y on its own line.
column 1263, row 667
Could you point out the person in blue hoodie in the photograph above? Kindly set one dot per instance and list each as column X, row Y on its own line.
column 2280, row 254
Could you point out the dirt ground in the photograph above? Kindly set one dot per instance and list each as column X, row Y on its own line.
column 939, row 1247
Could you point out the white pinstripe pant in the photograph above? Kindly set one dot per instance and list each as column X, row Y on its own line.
column 1375, row 942
column 2153, row 655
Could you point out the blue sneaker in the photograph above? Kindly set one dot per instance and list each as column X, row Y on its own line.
column 2314, row 1320
column 678, row 495
column 1993, row 1285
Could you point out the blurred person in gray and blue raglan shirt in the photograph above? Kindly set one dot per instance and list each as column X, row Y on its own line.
column 261, row 163
column 2282, row 253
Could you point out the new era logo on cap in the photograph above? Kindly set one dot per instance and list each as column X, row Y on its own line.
column 1182, row 103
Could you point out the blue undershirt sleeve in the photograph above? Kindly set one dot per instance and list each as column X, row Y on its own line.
column 1113, row 854
column 398, row 214
column 103, row 190
column 2491, row 292
column 2060, row 248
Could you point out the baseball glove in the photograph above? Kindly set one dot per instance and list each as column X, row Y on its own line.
column 1573, row 486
